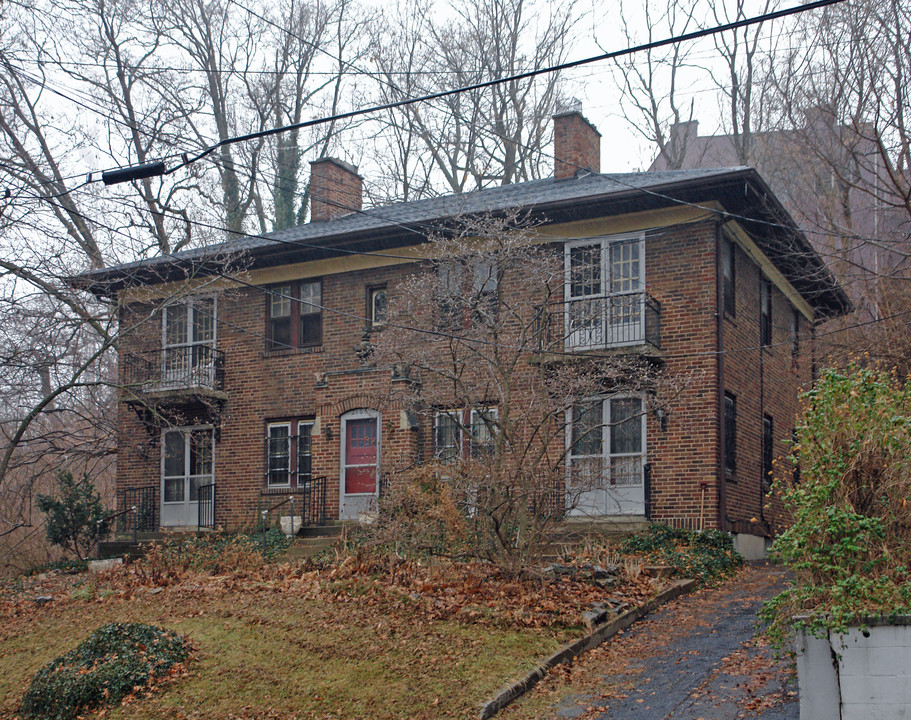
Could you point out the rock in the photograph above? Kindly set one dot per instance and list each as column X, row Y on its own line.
column 155, row 590
column 593, row 618
column 43, row 600
column 97, row 566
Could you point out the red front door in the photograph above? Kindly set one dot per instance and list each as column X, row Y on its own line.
column 360, row 456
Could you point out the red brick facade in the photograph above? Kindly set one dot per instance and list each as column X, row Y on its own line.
column 718, row 352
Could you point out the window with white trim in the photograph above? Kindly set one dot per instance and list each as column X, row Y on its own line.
column 464, row 433
column 604, row 291
column 187, row 463
column 607, row 441
column 289, row 453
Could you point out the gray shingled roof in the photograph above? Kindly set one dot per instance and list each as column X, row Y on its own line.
column 422, row 212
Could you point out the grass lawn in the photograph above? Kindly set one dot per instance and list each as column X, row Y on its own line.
column 275, row 648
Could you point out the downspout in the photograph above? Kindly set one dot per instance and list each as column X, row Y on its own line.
column 719, row 375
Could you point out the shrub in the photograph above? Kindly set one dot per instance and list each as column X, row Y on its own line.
column 705, row 555
column 112, row 662
column 849, row 542
column 215, row 553
column 71, row 515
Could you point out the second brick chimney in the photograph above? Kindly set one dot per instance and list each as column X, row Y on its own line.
column 336, row 189
column 577, row 145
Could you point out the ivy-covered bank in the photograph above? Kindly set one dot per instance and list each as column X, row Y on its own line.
column 850, row 541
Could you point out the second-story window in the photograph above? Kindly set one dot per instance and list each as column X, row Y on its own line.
column 604, row 291
column 727, row 268
column 765, row 312
column 295, row 315
column 376, row 306
column 188, row 341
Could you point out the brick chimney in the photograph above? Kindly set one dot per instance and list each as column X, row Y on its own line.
column 577, row 145
column 335, row 189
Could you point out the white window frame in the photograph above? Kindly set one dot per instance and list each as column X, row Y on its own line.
column 188, row 305
column 269, row 484
column 493, row 413
column 576, row 340
column 457, row 415
column 186, row 431
column 606, row 455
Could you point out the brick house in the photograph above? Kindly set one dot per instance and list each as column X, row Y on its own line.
column 251, row 383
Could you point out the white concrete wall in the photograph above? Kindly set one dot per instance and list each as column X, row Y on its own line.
column 856, row 676
column 752, row 547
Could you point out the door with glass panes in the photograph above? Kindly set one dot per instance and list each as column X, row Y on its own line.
column 188, row 360
column 606, row 458
column 186, row 465
column 604, row 298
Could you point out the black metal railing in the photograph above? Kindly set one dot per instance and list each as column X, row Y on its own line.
column 309, row 498
column 600, row 322
column 145, row 500
column 175, row 368
column 205, row 506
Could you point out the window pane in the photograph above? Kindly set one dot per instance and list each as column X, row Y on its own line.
column 304, row 466
column 203, row 320
column 311, row 298
column 447, row 437
column 626, row 471
column 587, row 429
column 281, row 332
column 279, row 454
column 585, row 270
column 626, row 426
column 484, row 280
column 280, row 302
column 176, row 325
column 625, row 267
column 311, row 329
column 728, row 269
column 483, row 424
column 174, row 489
column 201, row 452
column 174, row 454
column 378, row 306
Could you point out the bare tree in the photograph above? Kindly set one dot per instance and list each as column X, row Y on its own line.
column 653, row 84
column 476, row 139
column 496, row 387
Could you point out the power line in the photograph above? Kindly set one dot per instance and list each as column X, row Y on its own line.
column 511, row 78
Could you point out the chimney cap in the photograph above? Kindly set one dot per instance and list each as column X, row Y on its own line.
column 336, row 161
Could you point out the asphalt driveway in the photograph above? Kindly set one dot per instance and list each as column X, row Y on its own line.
column 694, row 659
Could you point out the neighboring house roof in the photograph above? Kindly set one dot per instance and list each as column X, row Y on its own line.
column 742, row 193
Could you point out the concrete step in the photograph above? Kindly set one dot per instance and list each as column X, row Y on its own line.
column 309, row 547
column 330, row 529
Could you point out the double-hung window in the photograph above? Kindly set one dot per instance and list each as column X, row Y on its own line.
column 464, row 433
column 289, row 454
column 295, row 315
column 730, row 434
column 728, row 270
column 188, row 342
column 604, row 298
column 765, row 312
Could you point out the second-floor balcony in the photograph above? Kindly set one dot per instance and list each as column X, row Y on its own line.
column 174, row 369
column 602, row 322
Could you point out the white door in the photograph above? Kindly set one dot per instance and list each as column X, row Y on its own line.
column 360, row 464
column 186, row 465
column 606, row 458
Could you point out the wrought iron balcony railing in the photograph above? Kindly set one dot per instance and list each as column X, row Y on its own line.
column 595, row 323
column 189, row 367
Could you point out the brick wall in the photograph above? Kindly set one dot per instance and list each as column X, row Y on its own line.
column 268, row 385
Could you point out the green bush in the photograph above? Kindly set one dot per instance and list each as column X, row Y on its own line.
column 71, row 514
column 849, row 543
column 705, row 555
column 109, row 665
